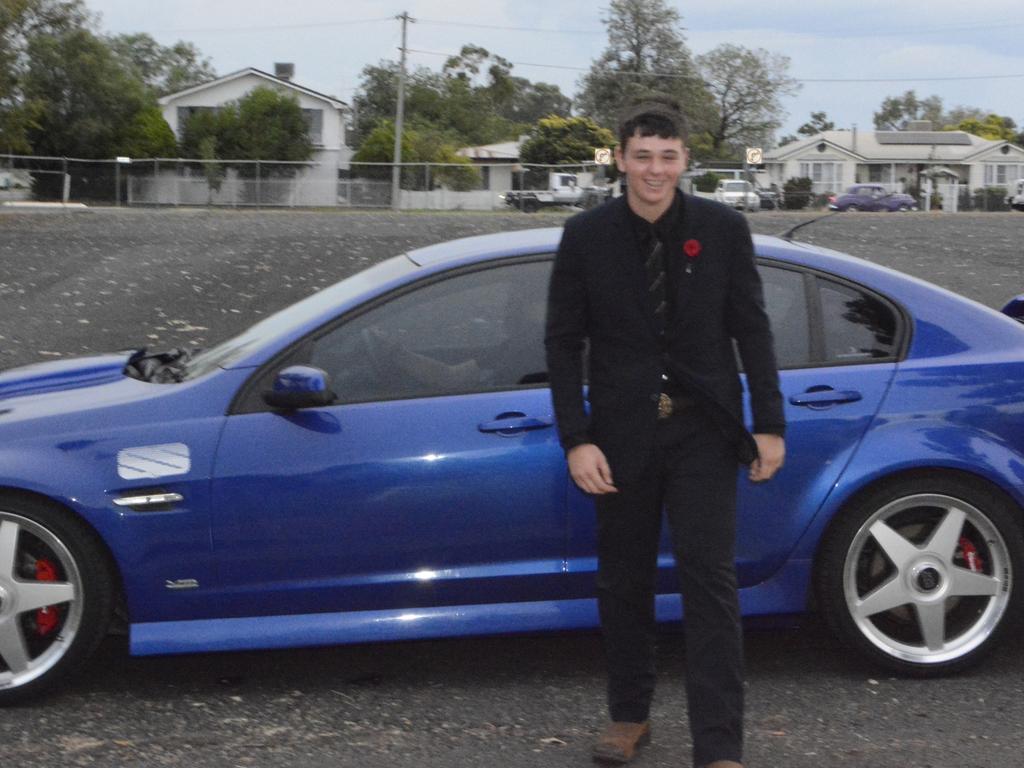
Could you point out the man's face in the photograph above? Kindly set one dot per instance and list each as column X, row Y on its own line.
column 652, row 166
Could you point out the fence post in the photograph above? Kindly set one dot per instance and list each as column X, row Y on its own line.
column 66, row 187
column 259, row 185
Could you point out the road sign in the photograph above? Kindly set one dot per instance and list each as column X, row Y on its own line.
column 603, row 156
column 755, row 155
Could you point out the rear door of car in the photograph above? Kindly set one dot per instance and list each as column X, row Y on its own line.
column 437, row 479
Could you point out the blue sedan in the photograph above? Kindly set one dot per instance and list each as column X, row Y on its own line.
column 379, row 462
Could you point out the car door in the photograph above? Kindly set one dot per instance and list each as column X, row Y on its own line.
column 436, row 478
column 836, row 345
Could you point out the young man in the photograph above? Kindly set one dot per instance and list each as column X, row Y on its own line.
column 660, row 285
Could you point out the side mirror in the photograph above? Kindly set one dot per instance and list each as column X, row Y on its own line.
column 300, row 386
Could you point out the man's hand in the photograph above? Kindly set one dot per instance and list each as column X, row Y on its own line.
column 771, row 452
column 589, row 469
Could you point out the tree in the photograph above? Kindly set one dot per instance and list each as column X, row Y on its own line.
column 425, row 146
column 21, row 21
column 473, row 100
column 149, row 135
column 897, row 111
column 646, row 55
column 747, row 86
column 532, row 101
column 819, row 123
column 265, row 124
column 562, row 141
column 565, row 141
column 992, row 127
column 86, row 102
column 163, row 69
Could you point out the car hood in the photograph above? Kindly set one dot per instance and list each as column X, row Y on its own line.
column 60, row 375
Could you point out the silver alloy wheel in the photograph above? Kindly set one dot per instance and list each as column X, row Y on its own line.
column 927, row 578
column 24, row 657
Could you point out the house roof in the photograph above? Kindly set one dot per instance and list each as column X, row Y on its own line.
column 503, row 150
column 336, row 103
column 890, row 146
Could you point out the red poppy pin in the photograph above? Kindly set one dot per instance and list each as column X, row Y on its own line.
column 692, row 250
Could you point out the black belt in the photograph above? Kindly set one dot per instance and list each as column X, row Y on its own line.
column 667, row 404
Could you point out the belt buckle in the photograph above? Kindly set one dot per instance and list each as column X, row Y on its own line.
column 665, row 406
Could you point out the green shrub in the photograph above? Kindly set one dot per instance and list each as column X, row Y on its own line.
column 706, row 182
column 797, row 191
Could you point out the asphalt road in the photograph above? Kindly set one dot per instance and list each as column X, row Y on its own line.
column 85, row 282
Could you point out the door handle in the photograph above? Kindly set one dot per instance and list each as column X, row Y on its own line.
column 512, row 423
column 823, row 398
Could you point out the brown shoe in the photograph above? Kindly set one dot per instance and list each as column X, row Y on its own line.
column 619, row 742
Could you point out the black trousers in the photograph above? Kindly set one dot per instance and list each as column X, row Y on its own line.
column 692, row 474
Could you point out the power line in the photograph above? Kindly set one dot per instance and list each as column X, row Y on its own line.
column 678, row 76
column 274, row 27
column 441, row 23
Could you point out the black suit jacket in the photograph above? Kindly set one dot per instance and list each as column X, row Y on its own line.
column 598, row 294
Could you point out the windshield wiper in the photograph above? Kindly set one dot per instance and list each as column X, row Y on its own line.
column 158, row 367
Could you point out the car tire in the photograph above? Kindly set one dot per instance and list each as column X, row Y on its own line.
column 903, row 208
column 47, row 552
column 853, row 208
column 919, row 575
column 530, row 206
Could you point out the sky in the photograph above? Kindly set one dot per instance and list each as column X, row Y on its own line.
column 848, row 56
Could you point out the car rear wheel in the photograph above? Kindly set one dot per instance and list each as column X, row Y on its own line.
column 919, row 576
column 56, row 596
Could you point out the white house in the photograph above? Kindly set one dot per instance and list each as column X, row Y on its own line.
column 326, row 116
column 835, row 159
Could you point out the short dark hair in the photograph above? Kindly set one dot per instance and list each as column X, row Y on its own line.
column 653, row 117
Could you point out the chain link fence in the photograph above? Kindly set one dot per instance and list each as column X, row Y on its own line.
column 261, row 183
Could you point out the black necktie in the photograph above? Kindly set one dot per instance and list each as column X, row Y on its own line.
column 656, row 282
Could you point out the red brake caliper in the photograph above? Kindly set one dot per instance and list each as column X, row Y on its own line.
column 970, row 553
column 46, row 618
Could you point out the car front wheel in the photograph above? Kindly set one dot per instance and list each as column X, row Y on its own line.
column 853, row 207
column 920, row 575
column 56, row 596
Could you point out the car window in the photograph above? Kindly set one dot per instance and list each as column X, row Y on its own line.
column 476, row 331
column 786, row 303
column 856, row 326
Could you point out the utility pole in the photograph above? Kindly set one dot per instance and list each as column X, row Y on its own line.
column 396, row 170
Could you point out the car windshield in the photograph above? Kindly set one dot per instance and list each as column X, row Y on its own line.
column 735, row 186
column 283, row 322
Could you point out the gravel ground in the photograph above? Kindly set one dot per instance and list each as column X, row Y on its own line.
column 106, row 279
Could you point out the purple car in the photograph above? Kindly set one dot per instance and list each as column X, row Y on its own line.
column 871, row 197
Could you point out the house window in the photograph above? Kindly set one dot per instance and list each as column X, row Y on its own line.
column 314, row 124
column 1002, row 174
column 825, row 174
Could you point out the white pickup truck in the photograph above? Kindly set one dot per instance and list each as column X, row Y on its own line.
column 562, row 190
column 738, row 194
column 1016, row 197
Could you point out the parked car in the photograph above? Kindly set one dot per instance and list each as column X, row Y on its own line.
column 738, row 194
column 771, row 198
column 1015, row 198
column 872, row 197
column 379, row 462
